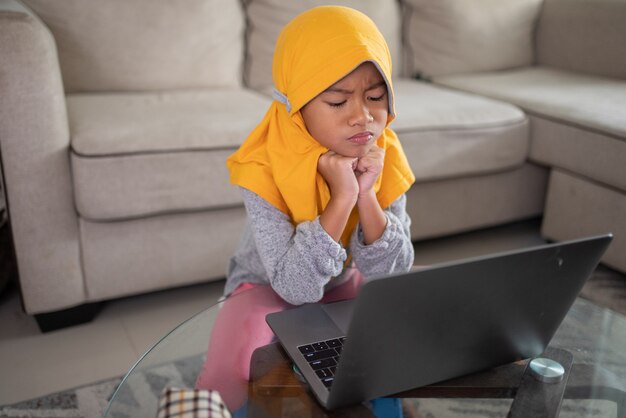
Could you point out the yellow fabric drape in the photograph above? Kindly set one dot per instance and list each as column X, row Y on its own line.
column 278, row 160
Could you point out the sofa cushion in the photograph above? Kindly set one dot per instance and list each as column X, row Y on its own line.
column 140, row 154
column 596, row 46
column 266, row 18
column 587, row 133
column 576, row 207
column 460, row 204
column 447, row 134
column 459, row 36
column 594, row 155
column 157, row 252
column 145, row 45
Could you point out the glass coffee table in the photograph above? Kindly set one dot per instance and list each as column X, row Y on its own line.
column 591, row 339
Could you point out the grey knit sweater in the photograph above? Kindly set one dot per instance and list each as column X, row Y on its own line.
column 301, row 262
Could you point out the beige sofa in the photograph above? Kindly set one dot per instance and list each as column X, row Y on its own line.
column 116, row 118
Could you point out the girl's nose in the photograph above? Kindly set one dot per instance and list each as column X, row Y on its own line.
column 361, row 116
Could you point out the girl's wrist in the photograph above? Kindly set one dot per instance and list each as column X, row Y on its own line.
column 335, row 216
column 368, row 194
column 371, row 217
column 342, row 199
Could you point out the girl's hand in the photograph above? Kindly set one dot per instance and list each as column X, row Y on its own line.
column 339, row 173
column 369, row 168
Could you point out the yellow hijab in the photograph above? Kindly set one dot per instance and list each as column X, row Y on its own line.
column 278, row 160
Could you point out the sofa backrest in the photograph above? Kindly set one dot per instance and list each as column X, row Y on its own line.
column 445, row 37
column 138, row 45
column 588, row 36
column 266, row 19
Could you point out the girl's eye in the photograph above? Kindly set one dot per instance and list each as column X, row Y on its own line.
column 338, row 104
column 377, row 98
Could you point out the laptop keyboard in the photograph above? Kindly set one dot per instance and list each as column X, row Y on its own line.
column 323, row 357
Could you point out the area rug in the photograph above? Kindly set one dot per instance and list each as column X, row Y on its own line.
column 607, row 288
column 82, row 402
column 90, row 401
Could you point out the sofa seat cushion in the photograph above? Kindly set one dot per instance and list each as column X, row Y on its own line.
column 150, row 153
column 594, row 155
column 447, row 134
column 585, row 115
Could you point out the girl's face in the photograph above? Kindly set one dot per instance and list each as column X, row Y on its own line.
column 349, row 116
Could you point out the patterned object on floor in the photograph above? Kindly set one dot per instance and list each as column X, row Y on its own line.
column 190, row 403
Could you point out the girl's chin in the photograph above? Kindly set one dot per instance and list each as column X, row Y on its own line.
column 356, row 152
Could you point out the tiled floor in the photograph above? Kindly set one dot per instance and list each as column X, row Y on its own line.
column 34, row 364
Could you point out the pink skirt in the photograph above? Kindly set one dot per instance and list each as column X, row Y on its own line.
column 240, row 328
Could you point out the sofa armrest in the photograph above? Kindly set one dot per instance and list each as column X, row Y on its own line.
column 34, row 147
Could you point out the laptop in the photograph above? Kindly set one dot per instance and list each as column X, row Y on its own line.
column 413, row 329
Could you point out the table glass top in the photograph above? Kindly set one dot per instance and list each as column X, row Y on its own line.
column 596, row 387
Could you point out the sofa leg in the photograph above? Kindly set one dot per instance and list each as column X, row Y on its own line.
column 68, row 317
column 8, row 266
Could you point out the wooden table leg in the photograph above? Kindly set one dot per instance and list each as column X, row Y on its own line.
column 539, row 399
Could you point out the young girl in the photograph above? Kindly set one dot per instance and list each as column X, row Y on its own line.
column 323, row 180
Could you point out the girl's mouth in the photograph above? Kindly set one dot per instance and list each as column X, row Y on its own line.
column 361, row 138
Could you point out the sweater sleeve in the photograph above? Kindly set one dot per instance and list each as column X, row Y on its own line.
column 393, row 251
column 299, row 260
